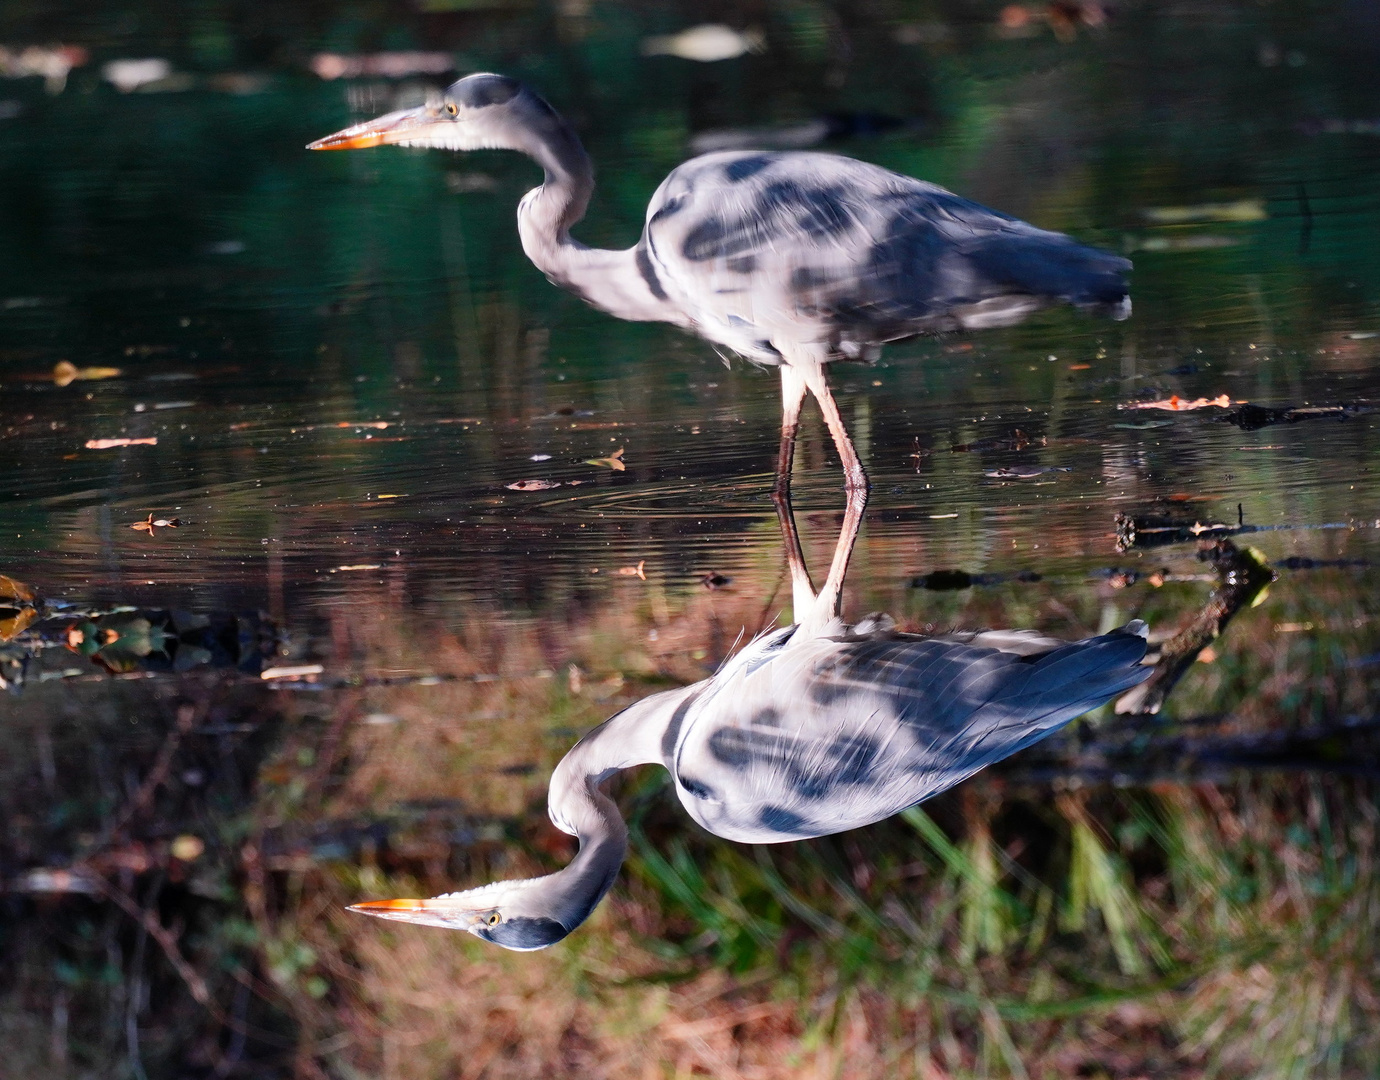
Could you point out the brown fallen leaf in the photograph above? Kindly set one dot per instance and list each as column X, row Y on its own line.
column 65, row 373
column 10, row 589
column 16, row 624
column 151, row 523
column 111, row 444
column 634, row 571
column 614, row 461
column 1178, row 404
column 533, row 485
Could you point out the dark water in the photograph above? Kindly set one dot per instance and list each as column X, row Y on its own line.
column 346, row 361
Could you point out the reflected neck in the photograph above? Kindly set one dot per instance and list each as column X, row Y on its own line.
column 577, row 806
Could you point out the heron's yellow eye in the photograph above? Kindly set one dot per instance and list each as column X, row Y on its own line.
column 495, row 919
column 450, row 108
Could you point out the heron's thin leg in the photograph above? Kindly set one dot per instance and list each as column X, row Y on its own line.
column 855, row 488
column 792, row 395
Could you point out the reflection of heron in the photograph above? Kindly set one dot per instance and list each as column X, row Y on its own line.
column 790, row 259
column 805, row 732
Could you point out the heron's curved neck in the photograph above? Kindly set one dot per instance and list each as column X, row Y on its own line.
column 609, row 280
column 578, row 806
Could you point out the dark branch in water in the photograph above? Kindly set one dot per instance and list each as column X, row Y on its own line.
column 1241, row 576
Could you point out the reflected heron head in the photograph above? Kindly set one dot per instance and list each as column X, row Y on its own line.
column 513, row 914
column 478, row 112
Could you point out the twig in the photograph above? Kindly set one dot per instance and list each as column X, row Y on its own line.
column 167, row 941
column 1240, row 578
column 187, row 715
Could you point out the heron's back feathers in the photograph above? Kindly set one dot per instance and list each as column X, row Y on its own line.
column 828, row 734
column 769, row 251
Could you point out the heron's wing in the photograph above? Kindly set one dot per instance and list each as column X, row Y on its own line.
column 779, row 247
column 834, row 735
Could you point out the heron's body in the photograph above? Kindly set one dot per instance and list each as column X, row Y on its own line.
column 802, row 735
column 786, row 256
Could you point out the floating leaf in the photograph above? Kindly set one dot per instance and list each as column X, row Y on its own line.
column 111, row 444
column 65, row 373
column 613, row 461
column 634, row 571
column 535, row 485
column 14, row 590
column 16, row 624
column 151, row 523
column 1024, row 472
column 1178, row 404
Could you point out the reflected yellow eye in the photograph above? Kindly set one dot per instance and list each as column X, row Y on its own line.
column 450, row 108
column 495, row 919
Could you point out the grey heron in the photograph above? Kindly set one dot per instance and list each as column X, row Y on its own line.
column 805, row 732
column 790, row 259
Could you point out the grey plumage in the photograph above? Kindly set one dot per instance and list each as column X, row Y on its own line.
column 769, row 253
column 837, row 732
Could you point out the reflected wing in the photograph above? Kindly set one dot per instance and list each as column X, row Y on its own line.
column 782, row 247
column 833, row 735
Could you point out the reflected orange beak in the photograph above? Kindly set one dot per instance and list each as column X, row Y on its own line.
column 438, row 912
column 388, row 909
column 394, row 127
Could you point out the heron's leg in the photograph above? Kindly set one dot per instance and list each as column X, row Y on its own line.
column 855, row 486
column 792, row 395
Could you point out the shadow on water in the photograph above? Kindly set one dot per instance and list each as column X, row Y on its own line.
column 406, row 576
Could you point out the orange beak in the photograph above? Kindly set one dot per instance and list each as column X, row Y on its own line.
column 394, row 127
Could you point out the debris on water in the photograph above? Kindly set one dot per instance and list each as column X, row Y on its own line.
column 1174, row 403
column 10, row 589
column 355, row 567
column 634, row 571
column 1017, row 440
column 712, row 581
column 705, row 43
column 1024, row 472
column 65, row 373
column 613, row 461
column 534, row 485
column 52, row 64
column 111, row 444
column 940, row 517
column 130, row 75
column 291, row 671
column 1254, row 417
column 387, row 65
column 540, row 457
column 1152, row 530
column 1243, row 210
column 151, row 523
column 1200, row 242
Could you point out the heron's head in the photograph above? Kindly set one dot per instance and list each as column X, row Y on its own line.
column 478, row 112
column 514, row 914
